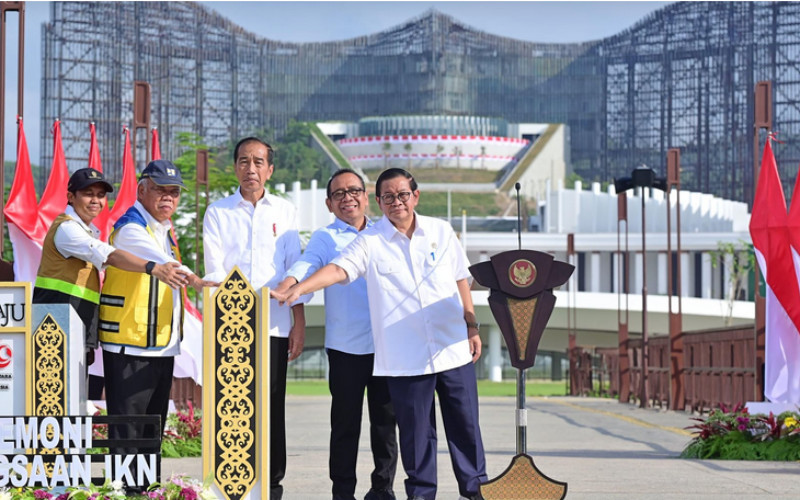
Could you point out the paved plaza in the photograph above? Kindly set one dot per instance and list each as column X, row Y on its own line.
column 601, row 448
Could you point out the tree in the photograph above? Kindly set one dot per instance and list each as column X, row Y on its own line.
column 439, row 149
column 296, row 160
column 569, row 181
column 740, row 260
column 457, row 153
column 387, row 146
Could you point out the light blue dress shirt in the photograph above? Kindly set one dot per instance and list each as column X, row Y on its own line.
column 347, row 322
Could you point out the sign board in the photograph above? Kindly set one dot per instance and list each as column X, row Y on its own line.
column 15, row 314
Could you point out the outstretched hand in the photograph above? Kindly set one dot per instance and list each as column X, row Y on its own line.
column 170, row 274
column 283, row 297
column 198, row 283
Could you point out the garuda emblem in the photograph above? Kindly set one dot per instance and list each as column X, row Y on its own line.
column 522, row 273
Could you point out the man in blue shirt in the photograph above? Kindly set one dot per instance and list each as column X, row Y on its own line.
column 350, row 349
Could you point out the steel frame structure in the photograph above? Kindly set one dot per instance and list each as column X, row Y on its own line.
column 682, row 77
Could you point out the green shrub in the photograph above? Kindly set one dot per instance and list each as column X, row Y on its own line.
column 735, row 434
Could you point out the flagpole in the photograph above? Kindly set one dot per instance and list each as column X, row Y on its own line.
column 20, row 8
column 762, row 103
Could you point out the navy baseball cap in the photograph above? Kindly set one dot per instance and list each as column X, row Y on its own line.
column 163, row 173
column 85, row 177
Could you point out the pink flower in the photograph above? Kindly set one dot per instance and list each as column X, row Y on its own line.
column 188, row 494
column 41, row 494
column 63, row 496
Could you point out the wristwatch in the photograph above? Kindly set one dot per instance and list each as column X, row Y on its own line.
column 148, row 268
column 474, row 324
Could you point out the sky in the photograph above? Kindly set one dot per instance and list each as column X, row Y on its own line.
column 555, row 22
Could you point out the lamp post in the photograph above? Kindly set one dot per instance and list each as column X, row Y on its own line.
column 642, row 177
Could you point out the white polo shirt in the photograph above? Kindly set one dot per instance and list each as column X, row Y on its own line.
column 262, row 240
column 416, row 312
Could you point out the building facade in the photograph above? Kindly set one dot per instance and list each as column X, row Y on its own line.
column 682, row 77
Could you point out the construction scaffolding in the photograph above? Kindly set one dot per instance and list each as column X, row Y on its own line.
column 682, row 77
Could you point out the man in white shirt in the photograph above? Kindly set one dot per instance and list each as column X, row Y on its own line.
column 425, row 332
column 257, row 232
column 139, row 349
column 350, row 350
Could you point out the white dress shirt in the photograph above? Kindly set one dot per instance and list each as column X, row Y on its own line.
column 262, row 240
column 347, row 324
column 74, row 238
column 417, row 316
column 136, row 240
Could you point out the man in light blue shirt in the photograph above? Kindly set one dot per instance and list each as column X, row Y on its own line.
column 350, row 348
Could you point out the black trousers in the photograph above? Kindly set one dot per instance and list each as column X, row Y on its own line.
column 278, row 361
column 349, row 376
column 137, row 385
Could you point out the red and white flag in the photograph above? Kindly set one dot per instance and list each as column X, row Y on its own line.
column 24, row 230
column 54, row 198
column 769, row 229
column 189, row 363
column 156, row 147
column 102, row 219
column 127, row 187
column 94, row 150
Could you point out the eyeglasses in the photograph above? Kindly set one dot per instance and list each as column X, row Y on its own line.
column 388, row 198
column 173, row 192
column 353, row 192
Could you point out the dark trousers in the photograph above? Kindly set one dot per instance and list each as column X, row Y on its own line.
column 278, row 361
column 349, row 376
column 137, row 385
column 413, row 399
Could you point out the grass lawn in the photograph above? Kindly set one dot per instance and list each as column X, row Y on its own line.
column 456, row 175
column 434, row 204
column 485, row 388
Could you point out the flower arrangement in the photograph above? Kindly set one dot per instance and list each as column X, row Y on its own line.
column 177, row 487
column 181, row 487
column 183, row 434
column 108, row 491
column 734, row 434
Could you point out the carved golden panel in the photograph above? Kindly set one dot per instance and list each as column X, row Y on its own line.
column 523, row 481
column 522, row 317
column 49, row 369
column 234, row 380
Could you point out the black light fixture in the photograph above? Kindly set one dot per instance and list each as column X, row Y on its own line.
column 642, row 177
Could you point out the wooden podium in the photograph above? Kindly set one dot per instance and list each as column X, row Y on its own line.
column 521, row 300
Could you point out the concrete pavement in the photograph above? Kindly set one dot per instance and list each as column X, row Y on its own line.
column 601, row 448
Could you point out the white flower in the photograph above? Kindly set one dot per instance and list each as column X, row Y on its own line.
column 117, row 485
column 5, row 494
column 205, row 494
